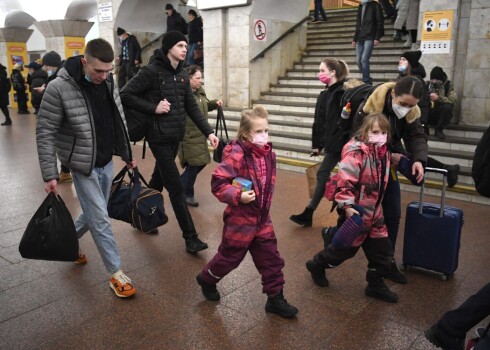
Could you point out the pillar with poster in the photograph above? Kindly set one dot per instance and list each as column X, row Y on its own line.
column 17, row 59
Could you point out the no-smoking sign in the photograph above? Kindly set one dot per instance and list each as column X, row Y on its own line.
column 260, row 30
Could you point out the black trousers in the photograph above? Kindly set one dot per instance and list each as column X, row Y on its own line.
column 378, row 251
column 21, row 100
column 440, row 115
column 166, row 174
column 125, row 73
column 5, row 111
column 457, row 322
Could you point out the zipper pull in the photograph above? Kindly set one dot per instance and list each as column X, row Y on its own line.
column 175, row 78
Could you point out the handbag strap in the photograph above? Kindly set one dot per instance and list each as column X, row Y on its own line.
column 221, row 124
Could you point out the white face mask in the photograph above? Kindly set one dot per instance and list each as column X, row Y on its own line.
column 400, row 111
column 260, row 139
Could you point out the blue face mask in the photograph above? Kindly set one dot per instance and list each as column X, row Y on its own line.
column 87, row 78
column 50, row 72
column 365, row 1
column 402, row 69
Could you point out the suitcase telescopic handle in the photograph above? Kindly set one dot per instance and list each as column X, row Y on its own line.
column 443, row 172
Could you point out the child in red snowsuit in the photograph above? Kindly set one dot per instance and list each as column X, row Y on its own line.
column 247, row 223
column 361, row 183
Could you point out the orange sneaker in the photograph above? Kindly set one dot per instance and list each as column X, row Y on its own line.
column 82, row 259
column 121, row 285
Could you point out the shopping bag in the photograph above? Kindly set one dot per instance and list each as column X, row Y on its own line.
column 223, row 140
column 311, row 177
column 50, row 234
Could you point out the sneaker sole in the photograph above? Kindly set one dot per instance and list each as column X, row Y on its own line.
column 121, row 295
column 376, row 296
column 194, row 251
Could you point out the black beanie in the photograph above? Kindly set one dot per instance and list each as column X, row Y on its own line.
column 120, row 31
column 52, row 59
column 171, row 38
column 438, row 74
column 412, row 57
column 169, row 7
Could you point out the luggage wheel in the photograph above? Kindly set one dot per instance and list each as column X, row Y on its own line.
column 446, row 276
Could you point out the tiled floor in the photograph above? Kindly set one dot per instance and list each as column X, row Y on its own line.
column 53, row 305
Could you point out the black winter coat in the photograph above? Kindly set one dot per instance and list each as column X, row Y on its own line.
column 372, row 26
column 134, row 49
column 195, row 30
column 37, row 79
column 4, row 87
column 18, row 81
column 146, row 89
column 176, row 22
column 326, row 133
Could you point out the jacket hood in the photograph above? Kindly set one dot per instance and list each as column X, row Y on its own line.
column 73, row 66
column 160, row 57
column 376, row 103
column 419, row 70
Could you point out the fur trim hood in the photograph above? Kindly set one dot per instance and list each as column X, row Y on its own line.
column 376, row 103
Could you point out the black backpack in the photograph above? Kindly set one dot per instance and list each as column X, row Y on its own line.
column 17, row 82
column 356, row 96
column 480, row 170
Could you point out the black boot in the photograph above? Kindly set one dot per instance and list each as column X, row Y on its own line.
column 395, row 275
column 305, row 218
column 317, row 273
column 378, row 289
column 442, row 340
column 397, row 36
column 452, row 174
column 208, row 290
column 194, row 245
column 440, row 134
column 7, row 122
column 280, row 306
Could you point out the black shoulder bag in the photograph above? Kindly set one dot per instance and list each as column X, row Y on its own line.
column 220, row 126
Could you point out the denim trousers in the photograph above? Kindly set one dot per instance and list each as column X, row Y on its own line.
column 265, row 256
column 364, row 50
column 190, row 53
column 319, row 9
column 93, row 193
column 392, row 207
column 167, row 175
column 329, row 162
column 189, row 177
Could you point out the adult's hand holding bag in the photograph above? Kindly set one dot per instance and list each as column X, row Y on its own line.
column 50, row 234
column 220, row 127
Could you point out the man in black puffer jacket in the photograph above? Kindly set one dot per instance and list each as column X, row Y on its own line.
column 162, row 91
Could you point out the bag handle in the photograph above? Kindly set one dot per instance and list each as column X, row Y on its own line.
column 443, row 172
column 221, row 124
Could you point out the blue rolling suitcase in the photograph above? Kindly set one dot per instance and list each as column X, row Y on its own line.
column 432, row 234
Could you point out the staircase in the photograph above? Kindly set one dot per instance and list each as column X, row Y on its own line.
column 291, row 104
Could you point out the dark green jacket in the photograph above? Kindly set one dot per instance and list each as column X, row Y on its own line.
column 194, row 148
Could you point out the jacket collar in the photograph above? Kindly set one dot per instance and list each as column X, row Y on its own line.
column 376, row 103
column 159, row 57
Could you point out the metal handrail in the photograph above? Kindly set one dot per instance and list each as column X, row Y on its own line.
column 289, row 31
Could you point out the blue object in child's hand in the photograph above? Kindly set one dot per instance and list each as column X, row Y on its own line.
column 349, row 231
column 244, row 184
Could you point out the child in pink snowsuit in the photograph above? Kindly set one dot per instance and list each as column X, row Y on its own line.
column 247, row 223
column 361, row 182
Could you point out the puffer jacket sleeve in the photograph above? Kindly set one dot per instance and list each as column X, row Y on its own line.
column 223, row 175
column 132, row 93
column 192, row 110
column 417, row 139
column 349, row 174
column 51, row 114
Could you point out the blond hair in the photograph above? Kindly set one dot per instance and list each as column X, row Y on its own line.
column 362, row 133
column 258, row 112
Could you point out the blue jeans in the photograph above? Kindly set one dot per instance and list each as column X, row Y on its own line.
column 364, row 50
column 93, row 193
column 391, row 204
column 329, row 162
column 319, row 9
column 188, row 178
column 190, row 53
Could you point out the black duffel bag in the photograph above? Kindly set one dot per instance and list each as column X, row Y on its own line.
column 140, row 206
column 50, row 234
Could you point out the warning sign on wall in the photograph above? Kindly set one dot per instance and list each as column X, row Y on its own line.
column 436, row 31
column 260, row 30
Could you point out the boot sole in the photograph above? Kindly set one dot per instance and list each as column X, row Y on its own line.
column 322, row 284
column 273, row 310
column 377, row 296
column 194, row 251
column 301, row 223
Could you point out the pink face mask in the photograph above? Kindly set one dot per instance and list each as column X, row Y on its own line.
column 324, row 78
column 378, row 139
column 260, row 139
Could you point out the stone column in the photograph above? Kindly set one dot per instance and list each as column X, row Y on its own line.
column 55, row 32
column 12, row 35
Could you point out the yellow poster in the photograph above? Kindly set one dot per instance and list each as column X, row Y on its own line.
column 16, row 53
column 436, row 31
column 74, row 46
